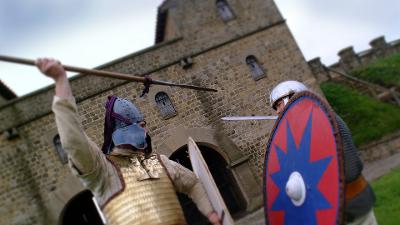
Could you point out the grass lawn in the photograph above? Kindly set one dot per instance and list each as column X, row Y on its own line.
column 387, row 191
column 367, row 118
column 385, row 72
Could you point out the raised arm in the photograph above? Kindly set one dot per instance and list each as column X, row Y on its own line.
column 83, row 153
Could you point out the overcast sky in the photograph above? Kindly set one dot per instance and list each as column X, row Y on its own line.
column 92, row 32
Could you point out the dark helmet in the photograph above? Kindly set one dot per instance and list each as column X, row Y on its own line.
column 121, row 125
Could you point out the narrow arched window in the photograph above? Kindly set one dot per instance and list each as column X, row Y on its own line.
column 62, row 155
column 224, row 11
column 165, row 105
column 256, row 70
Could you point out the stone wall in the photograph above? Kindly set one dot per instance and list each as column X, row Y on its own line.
column 2, row 100
column 185, row 18
column 20, row 201
column 35, row 182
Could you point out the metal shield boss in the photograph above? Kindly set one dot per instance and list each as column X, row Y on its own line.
column 303, row 172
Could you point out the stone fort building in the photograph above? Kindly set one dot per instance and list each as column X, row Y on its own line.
column 241, row 48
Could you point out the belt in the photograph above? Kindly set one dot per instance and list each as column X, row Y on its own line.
column 355, row 187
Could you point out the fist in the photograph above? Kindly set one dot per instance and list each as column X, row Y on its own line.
column 214, row 218
column 51, row 68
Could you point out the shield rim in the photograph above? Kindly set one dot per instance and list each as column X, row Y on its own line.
column 338, row 140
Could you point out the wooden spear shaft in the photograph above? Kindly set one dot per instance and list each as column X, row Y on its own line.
column 102, row 73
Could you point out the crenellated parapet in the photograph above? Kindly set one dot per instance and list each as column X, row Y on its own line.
column 350, row 60
column 319, row 70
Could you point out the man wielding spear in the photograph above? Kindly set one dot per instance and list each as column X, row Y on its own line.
column 132, row 184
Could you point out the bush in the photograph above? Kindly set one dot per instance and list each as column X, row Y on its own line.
column 385, row 72
column 367, row 118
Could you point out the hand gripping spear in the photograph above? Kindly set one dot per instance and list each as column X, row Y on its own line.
column 101, row 73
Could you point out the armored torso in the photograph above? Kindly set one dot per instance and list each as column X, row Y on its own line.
column 147, row 195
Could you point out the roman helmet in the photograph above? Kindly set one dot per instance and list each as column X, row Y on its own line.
column 285, row 90
column 121, row 125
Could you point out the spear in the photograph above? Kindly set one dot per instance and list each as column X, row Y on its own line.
column 101, row 73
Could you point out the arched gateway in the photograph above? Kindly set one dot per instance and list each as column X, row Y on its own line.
column 81, row 210
column 229, row 167
column 223, row 178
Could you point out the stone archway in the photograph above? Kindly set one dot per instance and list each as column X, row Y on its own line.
column 236, row 162
column 80, row 210
column 223, row 178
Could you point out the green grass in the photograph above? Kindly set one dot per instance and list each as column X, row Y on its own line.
column 387, row 191
column 367, row 118
column 385, row 71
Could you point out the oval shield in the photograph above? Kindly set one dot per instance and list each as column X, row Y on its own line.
column 303, row 172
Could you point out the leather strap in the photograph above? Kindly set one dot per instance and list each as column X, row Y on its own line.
column 355, row 187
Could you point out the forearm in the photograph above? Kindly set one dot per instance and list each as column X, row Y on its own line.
column 185, row 181
column 63, row 88
column 200, row 198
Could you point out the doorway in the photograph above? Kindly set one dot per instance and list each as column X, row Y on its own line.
column 224, row 180
column 80, row 210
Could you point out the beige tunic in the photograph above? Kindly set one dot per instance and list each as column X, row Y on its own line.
column 91, row 166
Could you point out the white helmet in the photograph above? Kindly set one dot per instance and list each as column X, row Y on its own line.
column 285, row 89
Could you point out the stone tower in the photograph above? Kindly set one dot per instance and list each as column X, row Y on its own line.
column 242, row 48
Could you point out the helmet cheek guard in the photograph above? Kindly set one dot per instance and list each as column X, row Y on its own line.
column 121, row 125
